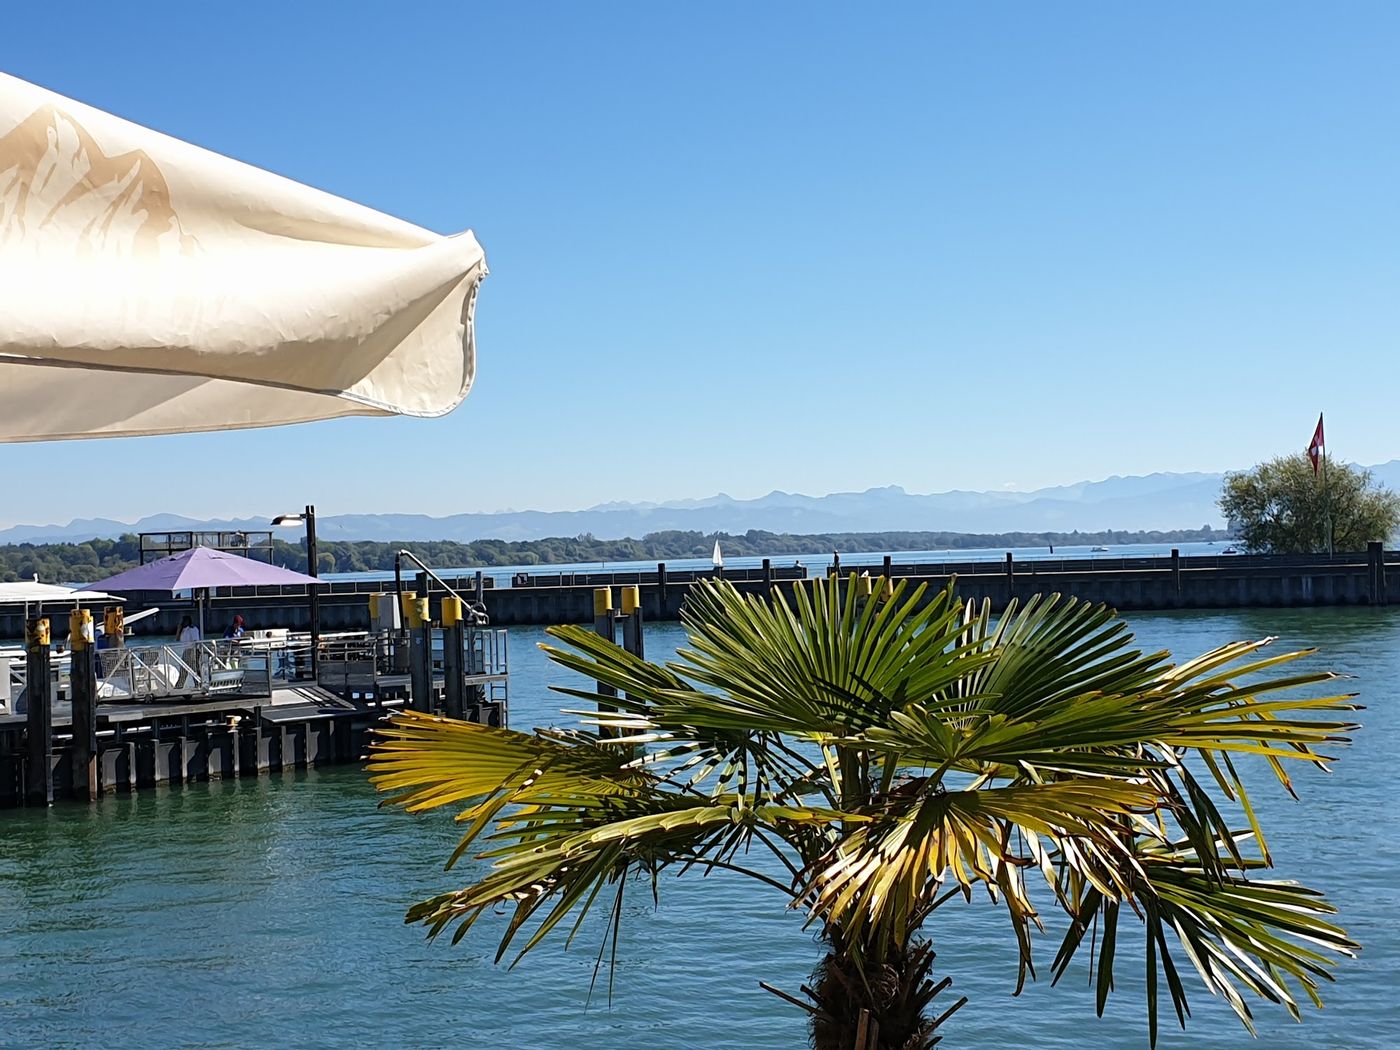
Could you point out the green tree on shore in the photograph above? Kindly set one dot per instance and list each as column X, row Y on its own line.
column 891, row 755
column 1283, row 507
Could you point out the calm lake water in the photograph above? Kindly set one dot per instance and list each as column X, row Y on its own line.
column 268, row 912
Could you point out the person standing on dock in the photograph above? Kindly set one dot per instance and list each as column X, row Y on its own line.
column 186, row 636
column 235, row 629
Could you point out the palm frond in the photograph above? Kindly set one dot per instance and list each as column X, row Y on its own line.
column 909, row 846
column 893, row 755
column 1242, row 935
column 427, row 762
column 822, row 667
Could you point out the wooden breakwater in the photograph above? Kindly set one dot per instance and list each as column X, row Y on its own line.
column 1214, row 582
column 1370, row 577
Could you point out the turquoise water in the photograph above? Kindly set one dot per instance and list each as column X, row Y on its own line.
column 268, row 912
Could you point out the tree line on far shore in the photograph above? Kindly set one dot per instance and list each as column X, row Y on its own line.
column 97, row 559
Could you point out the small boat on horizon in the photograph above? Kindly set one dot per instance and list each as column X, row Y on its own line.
column 1230, row 550
column 1098, row 550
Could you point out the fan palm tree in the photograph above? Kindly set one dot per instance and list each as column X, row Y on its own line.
column 894, row 753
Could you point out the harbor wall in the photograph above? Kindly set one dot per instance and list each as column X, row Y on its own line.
column 1126, row 584
column 1129, row 584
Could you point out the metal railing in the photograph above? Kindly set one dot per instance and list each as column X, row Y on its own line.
column 180, row 670
column 385, row 652
column 351, row 663
column 474, row 610
column 604, row 578
column 11, row 677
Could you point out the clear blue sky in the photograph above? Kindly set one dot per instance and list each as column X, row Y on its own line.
column 812, row 247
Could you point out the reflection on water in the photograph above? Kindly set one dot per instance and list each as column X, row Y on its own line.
column 268, row 912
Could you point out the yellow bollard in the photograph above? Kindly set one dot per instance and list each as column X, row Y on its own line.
column 421, row 616
column 864, row 586
column 631, row 600
column 409, row 598
column 36, row 633
column 602, row 601
column 451, row 611
column 114, row 622
column 80, row 630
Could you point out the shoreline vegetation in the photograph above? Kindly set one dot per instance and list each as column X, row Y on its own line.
column 99, row 558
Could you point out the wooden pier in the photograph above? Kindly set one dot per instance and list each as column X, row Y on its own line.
column 142, row 745
column 145, row 721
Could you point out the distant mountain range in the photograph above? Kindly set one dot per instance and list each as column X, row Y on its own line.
column 1156, row 501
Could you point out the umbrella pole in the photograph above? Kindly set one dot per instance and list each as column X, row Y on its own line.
column 202, row 593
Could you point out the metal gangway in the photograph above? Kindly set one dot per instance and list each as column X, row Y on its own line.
column 175, row 671
column 181, row 670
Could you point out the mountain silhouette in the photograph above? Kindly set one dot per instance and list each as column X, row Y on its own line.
column 1153, row 501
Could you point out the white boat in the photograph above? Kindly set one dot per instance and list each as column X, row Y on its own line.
column 1098, row 550
column 717, row 558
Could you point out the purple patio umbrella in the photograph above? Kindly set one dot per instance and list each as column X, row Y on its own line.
column 200, row 569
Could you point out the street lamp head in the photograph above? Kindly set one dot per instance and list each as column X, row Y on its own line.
column 289, row 519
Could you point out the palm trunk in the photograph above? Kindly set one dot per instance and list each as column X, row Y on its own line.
column 893, row 995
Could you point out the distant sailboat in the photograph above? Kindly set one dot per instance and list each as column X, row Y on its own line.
column 717, row 558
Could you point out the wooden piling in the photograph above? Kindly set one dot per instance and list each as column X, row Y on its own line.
column 604, row 624
column 420, row 641
column 1376, row 592
column 38, row 693
column 83, row 680
column 632, row 639
column 453, row 662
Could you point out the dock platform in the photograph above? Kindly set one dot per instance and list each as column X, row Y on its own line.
column 171, row 714
column 140, row 745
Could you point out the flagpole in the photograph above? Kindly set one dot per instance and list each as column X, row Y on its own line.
column 1326, row 494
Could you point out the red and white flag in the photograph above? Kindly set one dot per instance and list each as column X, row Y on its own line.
column 1316, row 446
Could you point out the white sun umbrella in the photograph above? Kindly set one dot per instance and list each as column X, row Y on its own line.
column 31, row 592
column 148, row 286
column 27, row 592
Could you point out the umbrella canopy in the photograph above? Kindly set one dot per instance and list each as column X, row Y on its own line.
column 200, row 568
column 148, row 286
column 27, row 592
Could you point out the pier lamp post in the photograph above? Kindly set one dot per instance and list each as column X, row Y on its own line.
column 308, row 517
